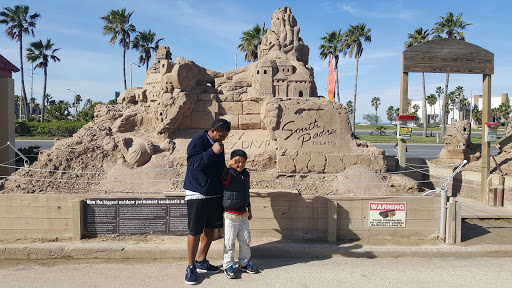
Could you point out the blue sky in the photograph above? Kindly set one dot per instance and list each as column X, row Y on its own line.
column 208, row 32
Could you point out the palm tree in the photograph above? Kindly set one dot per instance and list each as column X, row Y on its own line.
column 251, row 39
column 459, row 92
column 463, row 104
column 350, row 107
column 117, row 24
column 439, row 92
column 495, row 113
column 419, row 36
column 145, row 43
column 504, row 110
column 32, row 103
column 449, row 26
column 76, row 103
column 333, row 46
column 42, row 52
column 477, row 117
column 432, row 100
column 376, row 104
column 355, row 36
column 19, row 22
column 390, row 114
column 451, row 98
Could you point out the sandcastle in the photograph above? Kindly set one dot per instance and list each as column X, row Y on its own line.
column 295, row 140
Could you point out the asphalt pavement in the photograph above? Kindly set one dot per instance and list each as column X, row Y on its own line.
column 276, row 272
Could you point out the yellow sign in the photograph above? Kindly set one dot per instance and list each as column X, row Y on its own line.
column 405, row 132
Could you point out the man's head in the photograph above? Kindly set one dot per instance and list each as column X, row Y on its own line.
column 219, row 130
column 241, row 159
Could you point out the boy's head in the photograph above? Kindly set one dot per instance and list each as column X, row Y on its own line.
column 241, row 159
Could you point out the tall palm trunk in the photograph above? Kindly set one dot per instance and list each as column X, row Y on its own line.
column 443, row 123
column 124, row 67
column 355, row 94
column 461, row 111
column 434, row 109
column 23, row 102
column 424, row 107
column 44, row 93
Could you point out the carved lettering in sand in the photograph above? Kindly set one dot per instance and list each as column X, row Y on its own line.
column 304, row 134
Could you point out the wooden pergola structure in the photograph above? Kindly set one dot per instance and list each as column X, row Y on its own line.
column 450, row 56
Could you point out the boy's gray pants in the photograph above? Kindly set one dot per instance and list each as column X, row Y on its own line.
column 236, row 229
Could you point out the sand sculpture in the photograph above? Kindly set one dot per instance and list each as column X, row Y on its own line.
column 458, row 145
column 294, row 139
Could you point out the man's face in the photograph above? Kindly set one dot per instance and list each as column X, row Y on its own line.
column 218, row 136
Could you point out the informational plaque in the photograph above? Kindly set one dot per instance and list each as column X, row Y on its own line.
column 387, row 214
column 131, row 216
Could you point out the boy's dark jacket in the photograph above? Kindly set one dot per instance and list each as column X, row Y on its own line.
column 204, row 167
column 236, row 190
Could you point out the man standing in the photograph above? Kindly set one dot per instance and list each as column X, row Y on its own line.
column 203, row 186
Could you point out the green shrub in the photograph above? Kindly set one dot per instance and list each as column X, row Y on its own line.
column 54, row 128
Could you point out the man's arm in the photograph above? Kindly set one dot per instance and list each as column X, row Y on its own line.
column 198, row 158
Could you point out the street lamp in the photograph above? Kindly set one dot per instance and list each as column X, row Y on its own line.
column 72, row 91
column 131, row 72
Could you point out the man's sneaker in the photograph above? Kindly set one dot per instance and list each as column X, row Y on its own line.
column 249, row 268
column 230, row 271
column 205, row 266
column 191, row 275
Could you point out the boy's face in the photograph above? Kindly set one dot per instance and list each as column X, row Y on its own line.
column 239, row 163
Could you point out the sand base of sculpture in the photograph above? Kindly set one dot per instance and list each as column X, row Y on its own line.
column 299, row 144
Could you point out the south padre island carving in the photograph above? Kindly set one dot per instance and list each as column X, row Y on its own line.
column 295, row 140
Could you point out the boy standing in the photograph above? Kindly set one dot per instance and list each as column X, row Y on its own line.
column 237, row 213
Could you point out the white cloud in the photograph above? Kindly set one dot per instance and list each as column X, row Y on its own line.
column 380, row 10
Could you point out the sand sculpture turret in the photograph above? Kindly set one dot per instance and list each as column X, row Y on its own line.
column 294, row 139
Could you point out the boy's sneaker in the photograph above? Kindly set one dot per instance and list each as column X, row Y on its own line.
column 249, row 268
column 205, row 266
column 230, row 271
column 191, row 275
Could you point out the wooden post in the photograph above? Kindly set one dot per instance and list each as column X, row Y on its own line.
column 500, row 194
column 486, row 116
column 404, row 97
column 332, row 218
column 450, row 222
column 78, row 212
column 458, row 222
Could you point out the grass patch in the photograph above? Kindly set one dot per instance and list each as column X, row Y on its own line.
column 413, row 140
column 39, row 137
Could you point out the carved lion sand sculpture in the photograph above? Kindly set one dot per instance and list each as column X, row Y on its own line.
column 295, row 140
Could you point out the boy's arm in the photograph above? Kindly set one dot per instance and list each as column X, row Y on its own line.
column 226, row 176
column 249, row 205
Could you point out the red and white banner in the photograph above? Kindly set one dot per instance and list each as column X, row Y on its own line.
column 330, row 81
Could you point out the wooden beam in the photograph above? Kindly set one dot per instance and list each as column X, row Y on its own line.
column 448, row 56
column 404, row 97
column 486, row 117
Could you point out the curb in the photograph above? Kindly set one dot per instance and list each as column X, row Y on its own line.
column 112, row 251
